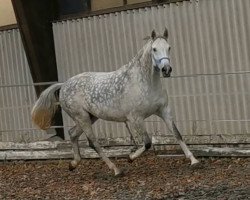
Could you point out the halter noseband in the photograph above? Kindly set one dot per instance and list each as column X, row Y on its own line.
column 163, row 58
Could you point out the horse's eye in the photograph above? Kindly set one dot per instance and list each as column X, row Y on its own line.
column 154, row 49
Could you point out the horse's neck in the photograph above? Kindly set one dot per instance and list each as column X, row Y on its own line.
column 142, row 64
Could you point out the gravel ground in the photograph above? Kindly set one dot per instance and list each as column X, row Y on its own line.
column 149, row 177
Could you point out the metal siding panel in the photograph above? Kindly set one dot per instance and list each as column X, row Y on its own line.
column 16, row 101
column 207, row 37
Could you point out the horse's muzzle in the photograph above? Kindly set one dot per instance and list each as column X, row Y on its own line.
column 166, row 71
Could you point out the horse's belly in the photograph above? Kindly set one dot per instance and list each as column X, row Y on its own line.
column 109, row 114
column 123, row 112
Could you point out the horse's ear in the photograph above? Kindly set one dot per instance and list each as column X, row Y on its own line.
column 153, row 34
column 165, row 34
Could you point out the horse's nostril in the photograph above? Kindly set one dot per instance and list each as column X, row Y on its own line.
column 167, row 69
column 170, row 69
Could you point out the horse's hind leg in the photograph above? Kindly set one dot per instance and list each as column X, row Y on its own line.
column 74, row 134
column 85, row 123
column 165, row 114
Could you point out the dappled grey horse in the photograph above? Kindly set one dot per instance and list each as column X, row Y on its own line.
column 130, row 94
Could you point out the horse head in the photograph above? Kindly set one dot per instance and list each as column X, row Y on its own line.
column 160, row 51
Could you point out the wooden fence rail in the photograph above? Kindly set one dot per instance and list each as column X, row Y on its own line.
column 115, row 148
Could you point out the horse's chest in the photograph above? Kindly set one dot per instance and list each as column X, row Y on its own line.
column 148, row 105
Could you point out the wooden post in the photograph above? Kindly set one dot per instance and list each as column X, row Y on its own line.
column 34, row 21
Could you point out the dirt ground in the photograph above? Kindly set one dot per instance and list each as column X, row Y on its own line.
column 149, row 177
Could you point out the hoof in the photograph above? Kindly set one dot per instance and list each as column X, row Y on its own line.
column 195, row 162
column 130, row 160
column 196, row 165
column 71, row 167
column 121, row 173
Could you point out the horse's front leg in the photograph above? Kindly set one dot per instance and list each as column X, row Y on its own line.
column 131, row 135
column 139, row 128
column 165, row 114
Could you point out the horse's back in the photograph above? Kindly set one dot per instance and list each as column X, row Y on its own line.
column 94, row 92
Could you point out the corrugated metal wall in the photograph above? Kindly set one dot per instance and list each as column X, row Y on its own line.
column 17, row 94
column 209, row 90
